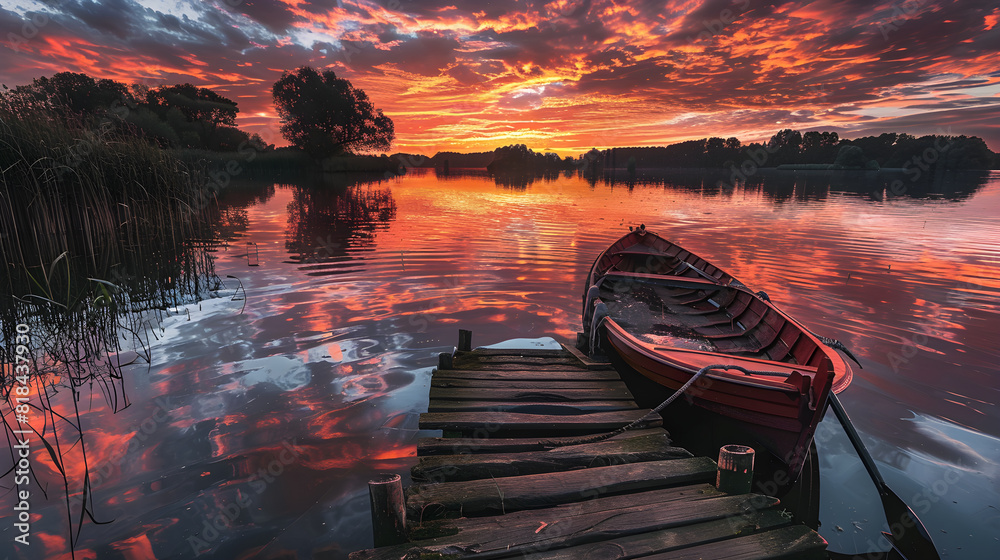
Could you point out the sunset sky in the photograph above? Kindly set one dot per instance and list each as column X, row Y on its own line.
column 470, row 75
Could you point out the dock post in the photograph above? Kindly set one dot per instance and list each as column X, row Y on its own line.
column 464, row 340
column 735, row 474
column 445, row 360
column 388, row 509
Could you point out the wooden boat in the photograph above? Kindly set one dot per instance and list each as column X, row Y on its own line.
column 670, row 313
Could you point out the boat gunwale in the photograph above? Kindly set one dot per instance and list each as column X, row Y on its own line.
column 840, row 381
column 726, row 376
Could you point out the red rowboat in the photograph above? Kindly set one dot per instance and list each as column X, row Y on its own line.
column 670, row 313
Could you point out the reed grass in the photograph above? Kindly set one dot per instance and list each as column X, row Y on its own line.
column 98, row 229
column 98, row 226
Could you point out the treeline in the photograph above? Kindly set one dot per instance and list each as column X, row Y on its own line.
column 515, row 157
column 180, row 116
column 790, row 147
column 442, row 160
column 787, row 148
column 519, row 158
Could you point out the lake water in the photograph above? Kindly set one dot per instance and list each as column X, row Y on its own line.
column 260, row 419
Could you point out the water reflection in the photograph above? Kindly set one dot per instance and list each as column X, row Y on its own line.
column 322, row 376
column 328, row 224
column 780, row 185
column 516, row 179
column 233, row 203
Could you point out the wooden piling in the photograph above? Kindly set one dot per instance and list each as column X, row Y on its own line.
column 445, row 360
column 464, row 340
column 388, row 509
column 735, row 473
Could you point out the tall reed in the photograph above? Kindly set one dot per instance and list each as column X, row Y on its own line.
column 98, row 228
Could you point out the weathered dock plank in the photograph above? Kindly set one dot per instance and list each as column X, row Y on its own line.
column 529, row 394
column 530, row 360
column 518, row 366
column 532, row 352
column 539, row 407
column 796, row 542
column 662, row 496
column 550, row 423
column 528, row 375
column 665, row 540
column 454, row 446
column 524, row 533
column 529, row 384
column 448, row 468
column 501, row 495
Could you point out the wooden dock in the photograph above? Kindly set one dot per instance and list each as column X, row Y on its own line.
column 506, row 481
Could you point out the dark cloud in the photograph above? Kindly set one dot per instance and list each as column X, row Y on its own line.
column 651, row 73
column 386, row 33
column 465, row 75
column 126, row 24
column 120, row 18
column 547, row 45
column 614, row 56
column 320, row 6
column 931, row 30
column 275, row 15
column 442, row 9
column 215, row 30
column 426, row 54
column 11, row 23
column 711, row 18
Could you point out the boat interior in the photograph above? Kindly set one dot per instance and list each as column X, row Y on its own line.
column 670, row 297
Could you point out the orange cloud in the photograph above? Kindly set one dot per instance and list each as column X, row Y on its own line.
column 571, row 74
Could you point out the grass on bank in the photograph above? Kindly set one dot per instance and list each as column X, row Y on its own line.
column 97, row 227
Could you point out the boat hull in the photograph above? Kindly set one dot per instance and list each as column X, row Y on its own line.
column 778, row 404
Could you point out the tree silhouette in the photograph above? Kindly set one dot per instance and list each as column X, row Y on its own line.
column 853, row 157
column 196, row 104
column 784, row 146
column 325, row 115
column 79, row 93
column 819, row 147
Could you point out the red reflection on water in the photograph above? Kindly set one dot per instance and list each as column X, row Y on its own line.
column 397, row 453
column 135, row 548
column 358, row 288
column 55, row 546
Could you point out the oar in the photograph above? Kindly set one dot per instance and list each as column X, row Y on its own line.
column 908, row 535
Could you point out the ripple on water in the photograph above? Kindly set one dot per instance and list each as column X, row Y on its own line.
column 359, row 288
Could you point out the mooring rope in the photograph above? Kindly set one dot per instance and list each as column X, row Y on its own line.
column 601, row 437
